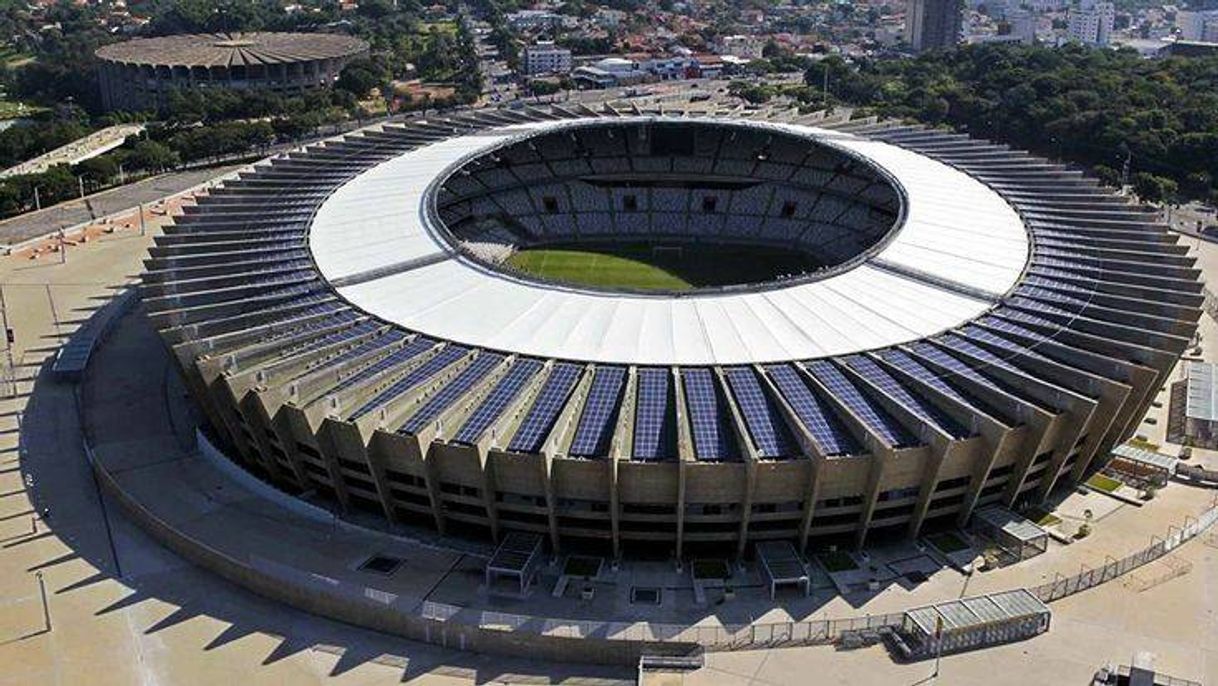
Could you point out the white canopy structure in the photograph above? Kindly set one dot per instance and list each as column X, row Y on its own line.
column 959, row 248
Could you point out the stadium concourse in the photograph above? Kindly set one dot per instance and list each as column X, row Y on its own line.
column 975, row 326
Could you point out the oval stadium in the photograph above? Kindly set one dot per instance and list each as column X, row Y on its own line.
column 661, row 334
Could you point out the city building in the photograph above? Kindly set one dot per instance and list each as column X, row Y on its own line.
column 1022, row 25
column 609, row 72
column 535, row 19
column 386, row 361
column 1091, row 23
column 1198, row 26
column 546, row 58
column 933, row 24
column 742, row 46
column 140, row 74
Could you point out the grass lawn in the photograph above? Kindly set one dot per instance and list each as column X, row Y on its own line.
column 641, row 266
column 12, row 110
column 1144, row 444
column 1103, row 483
column 595, row 269
column 837, row 561
column 947, row 542
column 1044, row 518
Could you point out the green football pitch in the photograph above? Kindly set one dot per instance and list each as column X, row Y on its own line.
column 648, row 267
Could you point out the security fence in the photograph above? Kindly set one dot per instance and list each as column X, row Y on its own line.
column 1063, row 586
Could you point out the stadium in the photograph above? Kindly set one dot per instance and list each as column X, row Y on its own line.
column 140, row 74
column 655, row 333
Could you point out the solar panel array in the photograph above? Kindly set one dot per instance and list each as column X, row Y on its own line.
column 546, row 408
column 416, row 376
column 709, row 417
column 389, row 338
column 595, row 428
column 953, row 365
column 652, row 412
column 906, row 397
column 446, row 396
column 498, row 399
column 402, row 355
column 762, row 417
column 1014, row 349
column 818, row 417
column 906, row 363
column 955, row 342
column 875, row 417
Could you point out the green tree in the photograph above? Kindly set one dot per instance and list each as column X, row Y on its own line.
column 1151, row 188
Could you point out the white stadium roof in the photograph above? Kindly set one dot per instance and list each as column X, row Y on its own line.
column 960, row 248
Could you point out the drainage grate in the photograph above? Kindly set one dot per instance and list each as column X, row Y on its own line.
column 646, row 595
column 381, row 564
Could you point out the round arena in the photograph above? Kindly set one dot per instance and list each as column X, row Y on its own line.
column 668, row 335
column 140, row 74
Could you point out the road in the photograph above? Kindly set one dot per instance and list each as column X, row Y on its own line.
column 33, row 224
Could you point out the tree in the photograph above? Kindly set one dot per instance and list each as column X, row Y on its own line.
column 360, row 77
column 98, row 169
column 151, row 156
column 1107, row 175
column 543, row 87
column 1151, row 188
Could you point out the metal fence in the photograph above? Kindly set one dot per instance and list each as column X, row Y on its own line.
column 709, row 637
column 714, row 637
column 1063, row 586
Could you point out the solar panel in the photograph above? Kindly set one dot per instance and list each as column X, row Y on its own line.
column 957, row 343
column 406, row 353
column 953, row 365
column 1059, row 299
column 761, row 415
column 893, row 388
column 595, row 428
column 979, row 334
column 709, row 416
column 498, row 399
column 1038, row 307
column 389, row 338
column 817, row 416
column 332, row 338
column 416, row 376
column 874, row 416
column 1028, row 319
column 651, row 415
column 550, row 401
column 903, row 361
column 452, row 391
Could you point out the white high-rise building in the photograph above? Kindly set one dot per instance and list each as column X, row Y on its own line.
column 546, row 58
column 1091, row 23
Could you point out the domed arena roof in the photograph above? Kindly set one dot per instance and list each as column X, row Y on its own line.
column 232, row 49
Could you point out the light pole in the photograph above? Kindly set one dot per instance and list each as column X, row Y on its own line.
column 46, row 607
